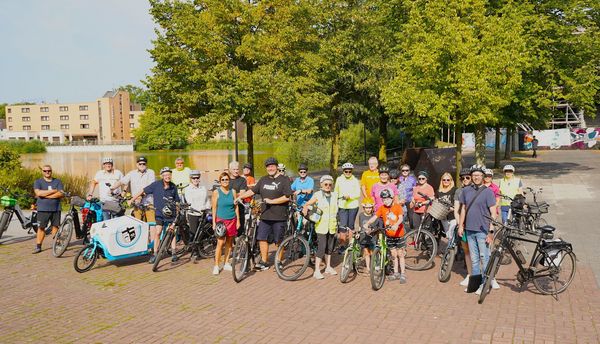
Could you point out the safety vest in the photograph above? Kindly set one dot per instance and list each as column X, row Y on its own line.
column 328, row 221
column 510, row 188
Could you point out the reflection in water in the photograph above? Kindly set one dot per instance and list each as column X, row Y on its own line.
column 207, row 161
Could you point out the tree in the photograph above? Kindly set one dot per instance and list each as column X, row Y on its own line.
column 137, row 95
column 3, row 110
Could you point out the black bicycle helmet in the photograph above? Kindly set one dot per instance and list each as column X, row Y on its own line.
column 302, row 167
column 271, row 161
column 385, row 193
column 384, row 169
column 394, row 174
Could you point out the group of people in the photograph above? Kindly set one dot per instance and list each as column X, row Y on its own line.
column 389, row 198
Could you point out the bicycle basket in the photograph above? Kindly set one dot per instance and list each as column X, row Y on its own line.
column 113, row 207
column 77, row 201
column 518, row 202
column 438, row 210
column 7, row 201
column 314, row 214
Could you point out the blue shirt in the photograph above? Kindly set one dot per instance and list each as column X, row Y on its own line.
column 475, row 221
column 48, row 204
column 158, row 190
column 408, row 183
column 307, row 184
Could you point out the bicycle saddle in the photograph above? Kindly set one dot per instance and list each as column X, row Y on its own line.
column 547, row 229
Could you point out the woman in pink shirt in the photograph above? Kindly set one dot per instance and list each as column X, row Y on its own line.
column 383, row 184
column 487, row 181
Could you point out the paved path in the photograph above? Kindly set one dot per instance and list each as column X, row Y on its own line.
column 44, row 300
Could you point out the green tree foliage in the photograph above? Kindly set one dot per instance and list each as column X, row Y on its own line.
column 137, row 95
column 158, row 131
column 3, row 110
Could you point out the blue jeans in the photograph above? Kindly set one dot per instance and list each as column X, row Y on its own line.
column 504, row 209
column 480, row 252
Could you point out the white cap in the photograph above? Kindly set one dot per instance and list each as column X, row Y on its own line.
column 508, row 168
column 325, row 178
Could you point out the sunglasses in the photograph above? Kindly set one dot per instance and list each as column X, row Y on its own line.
column 348, row 171
column 445, row 180
column 327, row 184
column 405, row 170
column 142, row 163
column 224, row 179
column 46, row 171
column 465, row 178
column 301, row 171
column 198, row 178
column 422, row 178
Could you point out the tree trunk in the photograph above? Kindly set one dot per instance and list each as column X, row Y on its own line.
column 480, row 144
column 458, row 130
column 250, row 141
column 383, row 131
column 497, row 148
column 335, row 145
column 508, row 145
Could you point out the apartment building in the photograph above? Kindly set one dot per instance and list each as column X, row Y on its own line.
column 105, row 121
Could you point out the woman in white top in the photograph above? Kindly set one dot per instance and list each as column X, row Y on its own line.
column 197, row 196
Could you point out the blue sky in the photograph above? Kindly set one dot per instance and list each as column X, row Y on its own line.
column 72, row 50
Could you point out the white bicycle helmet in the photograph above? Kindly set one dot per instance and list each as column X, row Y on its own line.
column 347, row 166
column 509, row 168
column 107, row 161
column 220, row 229
column 477, row 168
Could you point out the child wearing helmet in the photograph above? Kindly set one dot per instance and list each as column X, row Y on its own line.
column 367, row 242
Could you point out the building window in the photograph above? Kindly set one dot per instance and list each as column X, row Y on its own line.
column 84, row 126
column 26, row 119
column 45, row 118
column 44, row 109
column 64, row 118
column 10, row 119
column 64, row 126
column 83, row 107
column 10, row 128
column 84, row 117
column 9, row 110
column 45, row 127
column 63, row 108
column 131, row 116
column 24, row 110
column 26, row 127
column 131, row 125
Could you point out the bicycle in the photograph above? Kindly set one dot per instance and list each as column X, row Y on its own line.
column 70, row 222
column 203, row 243
column 448, row 257
column 11, row 207
column 550, row 258
column 421, row 244
column 176, row 231
column 246, row 246
column 352, row 256
column 379, row 259
column 296, row 251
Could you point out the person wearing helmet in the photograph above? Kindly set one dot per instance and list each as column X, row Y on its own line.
column 181, row 174
column 197, row 197
column 347, row 187
column 224, row 210
column 390, row 213
column 160, row 189
column 477, row 202
column 509, row 186
column 367, row 242
column 488, row 181
column 420, row 203
column 247, row 173
column 465, row 179
column 137, row 180
column 369, row 177
column 325, row 200
column 303, row 185
column 384, row 184
column 275, row 191
column 105, row 179
column 238, row 183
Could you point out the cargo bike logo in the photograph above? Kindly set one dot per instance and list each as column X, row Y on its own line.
column 128, row 236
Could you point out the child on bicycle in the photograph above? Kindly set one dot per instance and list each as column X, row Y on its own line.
column 391, row 215
column 367, row 242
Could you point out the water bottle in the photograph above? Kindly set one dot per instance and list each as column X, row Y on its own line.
column 520, row 256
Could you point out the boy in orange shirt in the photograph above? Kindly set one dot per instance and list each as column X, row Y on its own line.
column 391, row 215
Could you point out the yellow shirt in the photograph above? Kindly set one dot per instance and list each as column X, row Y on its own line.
column 368, row 179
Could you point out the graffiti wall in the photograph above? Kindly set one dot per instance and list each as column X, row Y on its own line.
column 585, row 138
column 588, row 138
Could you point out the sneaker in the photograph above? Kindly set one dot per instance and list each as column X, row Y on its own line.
column 152, row 259
column 330, row 271
column 393, row 277
column 495, row 284
column 37, row 250
column 216, row 270
column 260, row 266
column 227, row 267
column 465, row 282
column 174, row 258
column 479, row 290
column 402, row 278
column 318, row 275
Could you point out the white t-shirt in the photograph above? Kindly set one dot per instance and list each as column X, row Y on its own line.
column 197, row 197
column 102, row 178
column 181, row 178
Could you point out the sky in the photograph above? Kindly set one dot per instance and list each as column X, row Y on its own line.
column 72, row 50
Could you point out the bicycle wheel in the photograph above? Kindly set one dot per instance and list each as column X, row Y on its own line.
column 446, row 265
column 347, row 264
column 239, row 262
column 63, row 237
column 165, row 243
column 4, row 221
column 85, row 259
column 420, row 251
column 207, row 247
column 181, row 240
column 554, row 274
column 294, row 260
column 377, row 270
column 490, row 273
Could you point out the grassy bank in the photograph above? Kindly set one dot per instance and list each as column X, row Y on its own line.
column 21, row 147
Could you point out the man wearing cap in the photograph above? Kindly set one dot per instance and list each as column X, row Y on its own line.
column 303, row 185
column 137, row 180
column 197, row 196
column 275, row 191
column 419, row 202
column 160, row 190
column 105, row 179
column 239, row 184
column 509, row 186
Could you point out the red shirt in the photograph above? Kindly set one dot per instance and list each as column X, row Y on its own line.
column 424, row 189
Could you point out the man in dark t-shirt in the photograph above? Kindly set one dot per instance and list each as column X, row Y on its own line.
column 48, row 191
column 275, row 191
